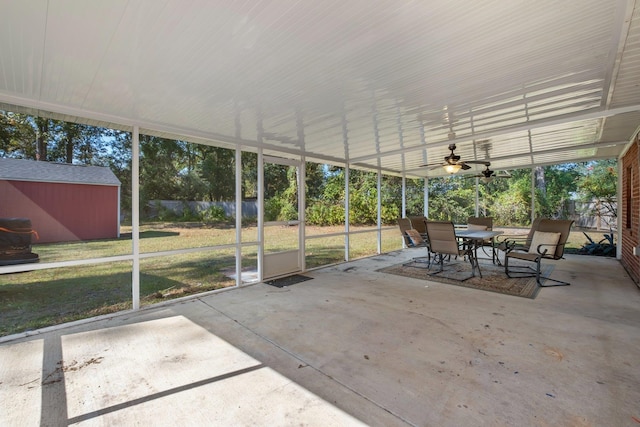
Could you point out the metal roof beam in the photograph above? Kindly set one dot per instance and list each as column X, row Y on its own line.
column 576, row 117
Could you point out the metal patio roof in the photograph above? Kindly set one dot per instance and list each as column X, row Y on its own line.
column 383, row 84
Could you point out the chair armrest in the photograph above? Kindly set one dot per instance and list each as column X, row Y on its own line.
column 508, row 243
column 511, row 237
column 542, row 252
column 546, row 253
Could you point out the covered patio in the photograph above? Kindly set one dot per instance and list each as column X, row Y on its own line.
column 351, row 346
column 385, row 87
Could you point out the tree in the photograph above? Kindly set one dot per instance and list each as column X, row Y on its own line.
column 451, row 198
column 560, row 185
column 414, row 195
column 17, row 135
column 217, row 172
column 598, row 182
column 280, row 192
column 74, row 142
column 159, row 165
column 42, row 138
column 314, row 173
column 117, row 156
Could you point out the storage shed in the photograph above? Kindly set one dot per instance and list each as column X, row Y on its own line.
column 64, row 202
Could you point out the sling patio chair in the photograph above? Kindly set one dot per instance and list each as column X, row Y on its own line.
column 548, row 241
column 510, row 242
column 443, row 242
column 413, row 239
column 417, row 241
column 480, row 223
column 418, row 224
column 404, row 224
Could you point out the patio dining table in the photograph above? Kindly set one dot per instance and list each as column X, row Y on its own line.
column 477, row 237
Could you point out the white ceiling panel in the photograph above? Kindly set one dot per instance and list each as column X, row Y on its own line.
column 382, row 83
column 22, row 47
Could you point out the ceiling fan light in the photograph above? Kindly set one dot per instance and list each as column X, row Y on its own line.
column 452, row 168
column 487, row 179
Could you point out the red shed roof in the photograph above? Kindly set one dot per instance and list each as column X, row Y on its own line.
column 31, row 170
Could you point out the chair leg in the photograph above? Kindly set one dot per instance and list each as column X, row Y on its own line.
column 439, row 258
column 514, row 273
column 414, row 262
column 557, row 283
column 497, row 253
column 520, row 270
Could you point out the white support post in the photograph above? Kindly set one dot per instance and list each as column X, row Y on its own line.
column 346, row 212
column 477, row 209
column 379, row 221
column 404, row 195
column 302, row 202
column 533, row 194
column 426, row 197
column 238, row 215
column 260, row 214
column 135, row 216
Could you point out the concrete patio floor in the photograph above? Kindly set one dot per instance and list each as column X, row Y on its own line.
column 353, row 346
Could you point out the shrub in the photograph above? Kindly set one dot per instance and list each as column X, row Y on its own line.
column 187, row 214
column 165, row 214
column 288, row 212
column 605, row 247
column 321, row 213
column 272, row 209
column 213, row 214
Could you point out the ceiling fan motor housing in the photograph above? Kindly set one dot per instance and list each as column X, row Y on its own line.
column 452, row 158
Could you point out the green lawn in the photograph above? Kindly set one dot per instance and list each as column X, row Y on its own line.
column 47, row 297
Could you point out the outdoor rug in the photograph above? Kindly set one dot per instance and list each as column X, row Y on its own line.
column 288, row 281
column 493, row 277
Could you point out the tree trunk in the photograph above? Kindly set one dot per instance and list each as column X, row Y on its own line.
column 69, row 152
column 42, row 139
column 540, row 182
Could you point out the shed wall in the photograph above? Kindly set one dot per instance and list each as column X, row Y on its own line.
column 630, row 212
column 62, row 212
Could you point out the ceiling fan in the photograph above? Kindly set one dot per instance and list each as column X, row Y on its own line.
column 452, row 162
column 487, row 175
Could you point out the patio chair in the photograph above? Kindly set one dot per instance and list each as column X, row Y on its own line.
column 480, row 223
column 416, row 241
column 548, row 242
column 418, row 224
column 510, row 242
column 443, row 242
column 404, row 224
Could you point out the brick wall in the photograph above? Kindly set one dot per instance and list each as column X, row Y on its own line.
column 630, row 191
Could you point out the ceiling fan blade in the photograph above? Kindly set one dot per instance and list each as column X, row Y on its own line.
column 478, row 162
column 465, row 166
